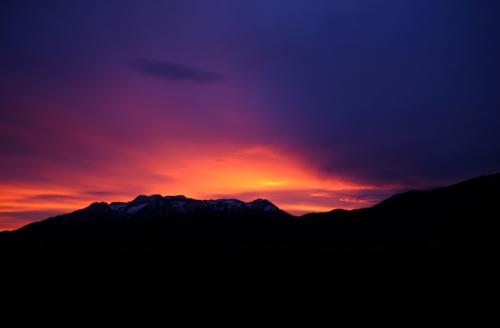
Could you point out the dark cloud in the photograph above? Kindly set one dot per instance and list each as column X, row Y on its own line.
column 54, row 197
column 27, row 216
column 174, row 71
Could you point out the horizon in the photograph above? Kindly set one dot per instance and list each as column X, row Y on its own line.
column 313, row 105
column 295, row 214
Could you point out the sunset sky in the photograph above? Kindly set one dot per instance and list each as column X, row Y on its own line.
column 314, row 105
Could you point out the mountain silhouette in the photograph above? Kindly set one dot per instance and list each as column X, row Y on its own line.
column 448, row 229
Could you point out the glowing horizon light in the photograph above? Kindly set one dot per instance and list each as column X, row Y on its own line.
column 271, row 183
column 245, row 173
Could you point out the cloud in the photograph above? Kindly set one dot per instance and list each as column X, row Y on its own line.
column 174, row 71
column 11, row 220
column 301, row 201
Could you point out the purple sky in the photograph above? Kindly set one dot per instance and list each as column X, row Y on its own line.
column 312, row 104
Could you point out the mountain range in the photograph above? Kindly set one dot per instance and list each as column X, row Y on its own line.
column 447, row 229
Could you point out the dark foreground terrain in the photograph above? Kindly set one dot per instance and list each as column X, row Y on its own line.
column 443, row 230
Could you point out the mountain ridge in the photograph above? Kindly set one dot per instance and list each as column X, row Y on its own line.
column 168, row 206
column 435, row 229
column 222, row 204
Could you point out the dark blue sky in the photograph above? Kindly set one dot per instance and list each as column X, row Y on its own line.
column 387, row 92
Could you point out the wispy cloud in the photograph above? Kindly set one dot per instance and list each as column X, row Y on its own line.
column 174, row 71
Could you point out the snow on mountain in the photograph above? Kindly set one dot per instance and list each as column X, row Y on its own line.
column 173, row 205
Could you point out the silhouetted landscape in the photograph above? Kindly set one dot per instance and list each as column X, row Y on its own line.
column 443, row 229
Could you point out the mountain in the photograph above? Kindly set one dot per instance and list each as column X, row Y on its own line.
column 148, row 209
column 449, row 229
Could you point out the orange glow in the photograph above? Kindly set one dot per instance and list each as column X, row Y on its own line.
column 241, row 173
column 306, row 208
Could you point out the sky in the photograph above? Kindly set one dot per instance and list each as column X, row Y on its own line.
column 312, row 104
